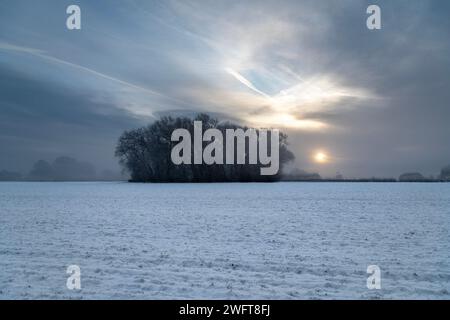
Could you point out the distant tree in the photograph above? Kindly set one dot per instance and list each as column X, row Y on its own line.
column 411, row 177
column 145, row 154
column 42, row 170
column 67, row 169
column 62, row 169
column 445, row 173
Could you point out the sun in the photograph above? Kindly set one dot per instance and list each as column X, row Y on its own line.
column 321, row 157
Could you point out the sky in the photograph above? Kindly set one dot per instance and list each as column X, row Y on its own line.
column 352, row 100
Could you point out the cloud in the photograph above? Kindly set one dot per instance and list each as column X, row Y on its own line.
column 259, row 48
column 247, row 83
column 43, row 55
column 12, row 47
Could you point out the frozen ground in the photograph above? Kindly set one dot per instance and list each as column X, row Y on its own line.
column 224, row 241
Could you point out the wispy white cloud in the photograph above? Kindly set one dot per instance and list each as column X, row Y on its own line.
column 11, row 47
column 246, row 82
column 42, row 54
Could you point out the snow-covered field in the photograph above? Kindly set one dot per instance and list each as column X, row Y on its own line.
column 224, row 241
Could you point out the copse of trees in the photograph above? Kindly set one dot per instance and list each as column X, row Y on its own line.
column 146, row 154
column 62, row 169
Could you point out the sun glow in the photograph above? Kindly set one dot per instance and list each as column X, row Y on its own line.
column 321, row 157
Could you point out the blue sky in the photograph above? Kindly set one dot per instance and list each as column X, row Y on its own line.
column 376, row 102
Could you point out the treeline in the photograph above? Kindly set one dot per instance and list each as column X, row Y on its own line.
column 61, row 169
column 146, row 154
column 300, row 175
column 444, row 176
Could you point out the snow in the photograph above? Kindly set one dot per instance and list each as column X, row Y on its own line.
column 224, row 241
